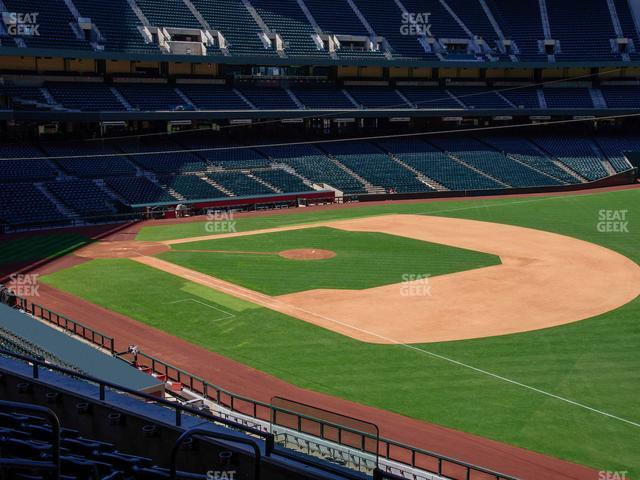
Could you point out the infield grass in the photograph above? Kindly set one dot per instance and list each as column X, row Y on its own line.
column 363, row 260
column 595, row 362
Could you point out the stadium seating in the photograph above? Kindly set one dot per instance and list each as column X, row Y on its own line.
column 83, row 197
column 521, row 97
column 139, row 190
column 120, row 36
column 287, row 19
column 384, row 18
column 577, row 153
column 240, row 184
column 583, row 32
column 521, row 22
column 485, row 159
column 236, row 24
column 476, row 20
column 525, row 152
column 269, row 98
column 568, row 98
column 621, row 96
column 86, row 97
column 474, row 97
column 23, row 93
column 191, row 187
column 24, row 204
column 438, row 166
column 314, row 165
column 377, row 97
column 54, row 24
column 375, row 166
column 213, row 97
column 322, row 97
column 282, row 180
column 24, row 170
column 151, row 96
column 430, row 98
column 614, row 147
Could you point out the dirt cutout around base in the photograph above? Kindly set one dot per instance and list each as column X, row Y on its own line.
column 128, row 249
column 307, row 254
column 545, row 280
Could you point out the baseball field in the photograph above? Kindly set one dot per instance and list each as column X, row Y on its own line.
column 515, row 319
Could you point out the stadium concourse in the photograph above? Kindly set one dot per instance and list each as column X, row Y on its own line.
column 348, row 239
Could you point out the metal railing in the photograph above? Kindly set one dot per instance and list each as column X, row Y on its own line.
column 391, row 450
column 65, row 323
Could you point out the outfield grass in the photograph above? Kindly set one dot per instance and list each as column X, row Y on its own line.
column 594, row 362
column 363, row 260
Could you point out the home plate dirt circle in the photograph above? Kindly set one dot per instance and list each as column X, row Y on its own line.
column 307, row 254
column 121, row 249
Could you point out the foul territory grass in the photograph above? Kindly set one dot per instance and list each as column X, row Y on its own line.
column 363, row 260
column 594, row 362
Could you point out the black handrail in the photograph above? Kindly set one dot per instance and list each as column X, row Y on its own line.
column 55, row 425
column 218, row 436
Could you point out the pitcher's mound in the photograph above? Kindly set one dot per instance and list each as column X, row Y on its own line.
column 307, row 254
column 121, row 249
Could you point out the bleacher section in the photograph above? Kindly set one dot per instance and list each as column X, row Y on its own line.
column 269, row 98
column 322, row 97
column 478, row 98
column 622, row 96
column 430, row 98
column 377, row 97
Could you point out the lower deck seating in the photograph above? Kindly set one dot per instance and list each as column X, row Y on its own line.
column 282, row 180
column 83, row 197
column 191, row 187
column 615, row 147
column 85, row 97
column 240, row 184
column 438, row 166
column 24, row 204
column 497, row 165
column 139, row 190
column 577, row 153
column 375, row 166
column 314, row 165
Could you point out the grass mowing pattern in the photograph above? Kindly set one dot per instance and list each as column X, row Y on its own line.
column 594, row 362
column 363, row 260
